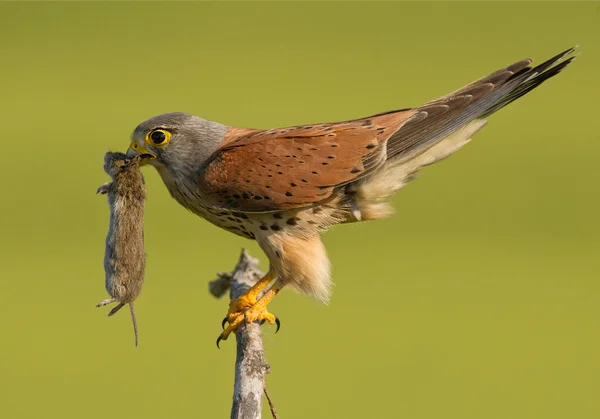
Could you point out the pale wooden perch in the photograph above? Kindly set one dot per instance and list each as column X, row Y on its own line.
column 250, row 364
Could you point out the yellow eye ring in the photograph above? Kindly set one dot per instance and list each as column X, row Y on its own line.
column 158, row 137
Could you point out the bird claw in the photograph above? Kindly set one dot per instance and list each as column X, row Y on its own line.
column 277, row 322
column 236, row 319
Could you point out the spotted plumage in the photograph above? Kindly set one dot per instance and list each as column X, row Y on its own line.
column 284, row 186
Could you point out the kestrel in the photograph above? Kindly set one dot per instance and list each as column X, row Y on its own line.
column 284, row 186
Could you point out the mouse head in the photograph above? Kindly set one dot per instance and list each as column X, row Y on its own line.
column 115, row 163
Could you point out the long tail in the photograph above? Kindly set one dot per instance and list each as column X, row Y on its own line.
column 440, row 118
column 134, row 321
column 443, row 126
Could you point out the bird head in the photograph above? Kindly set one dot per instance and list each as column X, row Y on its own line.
column 177, row 141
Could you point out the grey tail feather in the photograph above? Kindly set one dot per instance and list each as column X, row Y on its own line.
column 134, row 321
column 537, row 76
column 438, row 119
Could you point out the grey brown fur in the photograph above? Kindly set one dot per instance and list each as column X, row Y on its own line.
column 124, row 258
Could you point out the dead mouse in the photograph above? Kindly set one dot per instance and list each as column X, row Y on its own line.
column 124, row 257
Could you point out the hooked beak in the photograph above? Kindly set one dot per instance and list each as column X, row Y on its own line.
column 137, row 150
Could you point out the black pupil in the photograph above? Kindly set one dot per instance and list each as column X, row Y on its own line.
column 158, row 137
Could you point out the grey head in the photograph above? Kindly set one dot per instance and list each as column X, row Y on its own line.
column 178, row 142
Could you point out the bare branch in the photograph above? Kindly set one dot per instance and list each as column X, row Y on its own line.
column 271, row 405
column 250, row 364
column 219, row 286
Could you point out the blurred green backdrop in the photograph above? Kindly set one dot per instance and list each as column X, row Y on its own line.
column 477, row 300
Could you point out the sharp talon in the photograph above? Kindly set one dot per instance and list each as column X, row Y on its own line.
column 247, row 309
column 219, row 340
column 278, row 323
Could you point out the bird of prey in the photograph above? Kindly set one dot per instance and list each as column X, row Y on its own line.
column 284, row 186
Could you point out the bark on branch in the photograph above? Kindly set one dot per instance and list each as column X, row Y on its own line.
column 250, row 364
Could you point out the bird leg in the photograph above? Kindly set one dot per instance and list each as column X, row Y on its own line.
column 247, row 307
column 249, row 298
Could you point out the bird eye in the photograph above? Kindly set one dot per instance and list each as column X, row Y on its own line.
column 158, row 137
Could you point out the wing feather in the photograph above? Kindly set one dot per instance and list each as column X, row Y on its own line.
column 263, row 171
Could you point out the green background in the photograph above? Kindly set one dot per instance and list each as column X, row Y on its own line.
column 477, row 300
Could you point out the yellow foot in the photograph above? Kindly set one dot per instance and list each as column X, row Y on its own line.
column 246, row 308
column 241, row 304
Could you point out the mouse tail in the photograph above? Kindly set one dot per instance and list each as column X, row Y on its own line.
column 134, row 321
